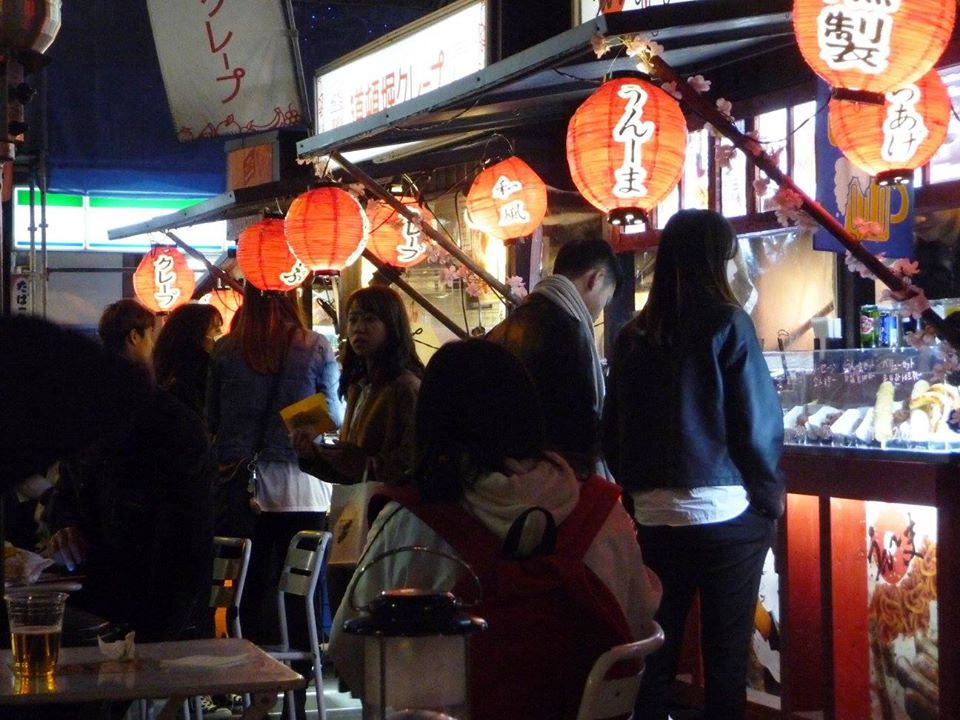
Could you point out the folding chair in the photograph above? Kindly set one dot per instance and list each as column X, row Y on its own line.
column 614, row 681
column 300, row 578
column 231, row 556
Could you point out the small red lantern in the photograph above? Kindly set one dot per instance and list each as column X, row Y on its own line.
column 326, row 228
column 507, row 200
column 891, row 140
column 625, row 148
column 227, row 301
column 394, row 238
column 163, row 280
column 265, row 258
column 872, row 46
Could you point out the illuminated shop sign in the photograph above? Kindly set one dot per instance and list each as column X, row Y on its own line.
column 418, row 61
column 81, row 222
column 589, row 9
column 945, row 164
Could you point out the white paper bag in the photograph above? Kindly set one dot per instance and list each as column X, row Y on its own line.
column 348, row 521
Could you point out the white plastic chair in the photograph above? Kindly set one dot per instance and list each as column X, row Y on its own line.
column 300, row 578
column 614, row 697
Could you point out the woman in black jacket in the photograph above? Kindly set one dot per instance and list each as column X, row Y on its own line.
column 693, row 430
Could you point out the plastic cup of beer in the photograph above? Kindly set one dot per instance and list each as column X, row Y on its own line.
column 36, row 621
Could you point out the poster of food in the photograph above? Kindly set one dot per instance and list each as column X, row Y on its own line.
column 901, row 547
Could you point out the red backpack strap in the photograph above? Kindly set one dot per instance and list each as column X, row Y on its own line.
column 597, row 498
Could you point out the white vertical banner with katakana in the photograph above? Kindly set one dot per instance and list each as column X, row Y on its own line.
column 227, row 66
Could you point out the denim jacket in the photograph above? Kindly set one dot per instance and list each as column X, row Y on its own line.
column 236, row 396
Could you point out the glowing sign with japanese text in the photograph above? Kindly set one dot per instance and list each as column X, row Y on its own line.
column 855, row 34
column 226, row 64
column 632, row 131
column 450, row 48
column 903, row 128
column 589, row 9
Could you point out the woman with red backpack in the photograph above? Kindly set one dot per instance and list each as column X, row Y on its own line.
column 565, row 585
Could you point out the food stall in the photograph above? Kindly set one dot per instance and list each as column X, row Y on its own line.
column 858, row 621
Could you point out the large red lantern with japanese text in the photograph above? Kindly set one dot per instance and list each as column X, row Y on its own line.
column 163, row 281
column 625, row 148
column 891, row 140
column 394, row 238
column 227, row 301
column 265, row 258
column 507, row 200
column 326, row 228
column 874, row 45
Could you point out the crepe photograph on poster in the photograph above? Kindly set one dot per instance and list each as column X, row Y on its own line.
column 902, row 611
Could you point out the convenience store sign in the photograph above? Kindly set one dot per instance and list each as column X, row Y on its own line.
column 81, row 222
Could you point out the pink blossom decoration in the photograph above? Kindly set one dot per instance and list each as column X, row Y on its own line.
column 903, row 268
column 517, row 287
column 641, row 45
column 725, row 154
column 726, row 108
column 854, row 265
column 761, row 186
column 600, row 45
column 670, row 88
column 699, row 83
column 448, row 274
column 867, row 229
column 474, row 287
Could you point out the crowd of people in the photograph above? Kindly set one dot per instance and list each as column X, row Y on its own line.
column 520, row 432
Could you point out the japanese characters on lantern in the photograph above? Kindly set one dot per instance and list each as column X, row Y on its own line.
column 326, row 228
column 396, row 239
column 625, row 148
column 507, row 200
column 265, row 258
column 893, row 139
column 163, row 281
column 872, row 45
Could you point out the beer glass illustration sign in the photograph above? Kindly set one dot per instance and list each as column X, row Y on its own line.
column 851, row 195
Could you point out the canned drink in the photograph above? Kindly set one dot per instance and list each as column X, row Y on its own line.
column 869, row 326
column 888, row 335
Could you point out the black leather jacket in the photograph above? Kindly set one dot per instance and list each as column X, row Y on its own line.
column 702, row 411
column 556, row 352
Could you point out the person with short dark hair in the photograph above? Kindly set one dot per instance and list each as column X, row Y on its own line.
column 128, row 328
column 693, row 430
column 551, row 333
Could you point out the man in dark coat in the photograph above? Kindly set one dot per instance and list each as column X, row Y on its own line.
column 551, row 333
column 135, row 511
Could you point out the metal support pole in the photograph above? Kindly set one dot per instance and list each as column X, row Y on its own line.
column 196, row 254
column 752, row 149
column 391, row 274
column 438, row 237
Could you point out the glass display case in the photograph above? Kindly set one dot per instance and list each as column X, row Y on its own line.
column 880, row 398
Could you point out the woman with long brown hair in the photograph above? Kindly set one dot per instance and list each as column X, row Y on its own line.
column 380, row 381
column 693, row 431
column 269, row 361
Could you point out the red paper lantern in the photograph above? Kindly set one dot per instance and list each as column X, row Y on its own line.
column 872, row 46
column 625, row 148
column 227, row 301
column 163, row 281
column 893, row 139
column 395, row 239
column 326, row 228
column 265, row 258
column 507, row 200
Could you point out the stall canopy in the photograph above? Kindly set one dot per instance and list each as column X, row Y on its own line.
column 734, row 43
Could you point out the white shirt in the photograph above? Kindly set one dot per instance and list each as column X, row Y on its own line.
column 284, row 487
column 678, row 507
